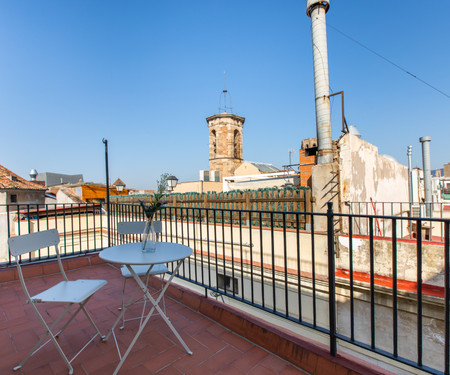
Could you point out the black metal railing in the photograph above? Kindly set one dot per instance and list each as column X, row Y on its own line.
column 387, row 292
column 361, row 210
column 82, row 228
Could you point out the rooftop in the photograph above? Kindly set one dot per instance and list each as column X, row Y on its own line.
column 223, row 339
column 10, row 180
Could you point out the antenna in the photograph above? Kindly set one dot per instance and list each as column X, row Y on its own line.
column 291, row 151
column 224, row 94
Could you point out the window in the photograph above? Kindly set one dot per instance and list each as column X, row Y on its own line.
column 311, row 151
column 13, row 198
column 227, row 283
column 213, row 142
column 237, row 144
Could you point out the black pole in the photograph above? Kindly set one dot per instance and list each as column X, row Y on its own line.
column 105, row 141
column 331, row 280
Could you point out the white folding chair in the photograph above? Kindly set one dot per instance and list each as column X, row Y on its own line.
column 137, row 227
column 70, row 292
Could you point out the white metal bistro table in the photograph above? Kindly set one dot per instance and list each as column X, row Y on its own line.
column 131, row 254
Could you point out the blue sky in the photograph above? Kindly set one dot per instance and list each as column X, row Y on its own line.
column 145, row 75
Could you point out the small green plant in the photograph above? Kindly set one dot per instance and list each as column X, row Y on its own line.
column 155, row 206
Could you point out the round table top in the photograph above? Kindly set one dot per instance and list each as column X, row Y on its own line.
column 131, row 253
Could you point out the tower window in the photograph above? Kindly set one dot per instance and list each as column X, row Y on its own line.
column 13, row 198
column 213, row 141
column 237, row 144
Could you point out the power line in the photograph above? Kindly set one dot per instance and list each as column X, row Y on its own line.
column 387, row 60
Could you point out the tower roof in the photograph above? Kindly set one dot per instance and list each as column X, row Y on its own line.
column 225, row 115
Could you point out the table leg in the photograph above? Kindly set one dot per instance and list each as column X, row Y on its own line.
column 155, row 306
column 129, row 302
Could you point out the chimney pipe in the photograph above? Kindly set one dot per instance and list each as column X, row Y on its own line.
column 426, row 171
column 409, row 153
column 316, row 10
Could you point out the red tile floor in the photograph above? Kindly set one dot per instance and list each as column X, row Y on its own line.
column 216, row 349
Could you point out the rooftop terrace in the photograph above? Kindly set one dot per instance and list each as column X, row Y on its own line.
column 224, row 340
column 377, row 290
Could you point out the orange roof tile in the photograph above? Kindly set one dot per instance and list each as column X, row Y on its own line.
column 9, row 180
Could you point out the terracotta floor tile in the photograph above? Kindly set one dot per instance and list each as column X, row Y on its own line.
column 274, row 363
column 252, row 358
column 216, row 350
column 227, row 356
column 237, row 341
column 211, row 341
column 170, row 370
column 291, row 370
column 261, row 370
column 165, row 359
column 138, row 370
column 230, row 369
column 200, row 355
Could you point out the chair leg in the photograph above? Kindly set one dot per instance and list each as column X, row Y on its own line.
column 48, row 332
column 123, row 297
column 162, row 286
column 88, row 316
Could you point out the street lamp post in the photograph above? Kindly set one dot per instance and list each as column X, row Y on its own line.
column 105, row 141
column 120, row 186
column 172, row 182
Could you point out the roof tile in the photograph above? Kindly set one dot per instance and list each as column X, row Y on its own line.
column 10, row 180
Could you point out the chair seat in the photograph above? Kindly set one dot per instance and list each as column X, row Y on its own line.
column 70, row 291
column 141, row 270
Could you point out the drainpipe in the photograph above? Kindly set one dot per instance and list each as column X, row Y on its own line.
column 426, row 171
column 316, row 10
column 411, row 196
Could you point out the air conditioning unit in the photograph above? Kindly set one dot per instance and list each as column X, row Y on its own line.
column 215, row 176
column 204, row 175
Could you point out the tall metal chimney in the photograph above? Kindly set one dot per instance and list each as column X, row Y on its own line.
column 426, row 171
column 316, row 10
column 411, row 196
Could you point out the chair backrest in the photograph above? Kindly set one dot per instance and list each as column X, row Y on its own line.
column 34, row 241
column 137, row 227
column 130, row 227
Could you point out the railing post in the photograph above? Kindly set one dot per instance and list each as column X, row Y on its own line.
column 331, row 280
column 105, row 141
column 247, row 207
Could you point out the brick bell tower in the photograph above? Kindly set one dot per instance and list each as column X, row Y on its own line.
column 225, row 141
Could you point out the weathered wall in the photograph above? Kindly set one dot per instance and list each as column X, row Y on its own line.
column 325, row 188
column 23, row 196
column 246, row 169
column 198, row 187
column 432, row 259
column 365, row 174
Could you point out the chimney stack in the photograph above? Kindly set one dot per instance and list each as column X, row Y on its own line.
column 426, row 161
column 316, row 10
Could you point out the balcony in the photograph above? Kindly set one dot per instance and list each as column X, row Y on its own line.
column 224, row 340
column 255, row 286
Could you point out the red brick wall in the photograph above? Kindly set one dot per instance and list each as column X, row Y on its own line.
column 306, row 164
